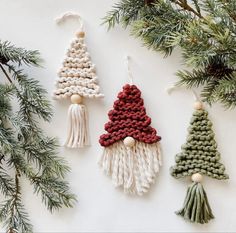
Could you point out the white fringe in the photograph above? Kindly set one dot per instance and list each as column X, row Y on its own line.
column 78, row 132
column 134, row 168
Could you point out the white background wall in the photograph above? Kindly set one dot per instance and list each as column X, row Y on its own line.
column 30, row 24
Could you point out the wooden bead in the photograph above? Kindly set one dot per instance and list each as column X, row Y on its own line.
column 76, row 99
column 198, row 105
column 129, row 142
column 197, row 177
column 80, row 34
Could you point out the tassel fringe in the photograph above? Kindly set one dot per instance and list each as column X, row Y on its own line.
column 134, row 169
column 78, row 135
column 196, row 206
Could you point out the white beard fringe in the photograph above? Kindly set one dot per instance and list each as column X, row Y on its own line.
column 134, row 169
column 78, row 132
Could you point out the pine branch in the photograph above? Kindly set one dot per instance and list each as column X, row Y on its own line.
column 158, row 25
column 224, row 92
column 209, row 91
column 43, row 155
column 197, row 6
column 13, row 214
column 195, row 78
column 204, row 30
column 10, row 53
column 25, row 149
column 185, row 6
column 6, row 183
column 31, row 95
column 124, row 12
column 17, row 209
column 7, row 141
column 6, row 74
column 6, row 91
column 53, row 191
column 20, row 221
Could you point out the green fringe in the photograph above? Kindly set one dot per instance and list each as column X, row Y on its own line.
column 196, row 206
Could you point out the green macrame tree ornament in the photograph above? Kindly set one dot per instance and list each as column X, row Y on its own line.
column 199, row 156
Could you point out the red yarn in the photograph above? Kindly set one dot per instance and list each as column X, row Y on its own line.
column 128, row 118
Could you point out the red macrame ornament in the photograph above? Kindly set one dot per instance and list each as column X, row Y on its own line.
column 131, row 146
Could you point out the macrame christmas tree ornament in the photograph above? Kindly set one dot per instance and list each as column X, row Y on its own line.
column 77, row 80
column 199, row 156
column 131, row 146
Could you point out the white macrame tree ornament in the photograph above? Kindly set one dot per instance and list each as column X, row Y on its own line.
column 77, row 79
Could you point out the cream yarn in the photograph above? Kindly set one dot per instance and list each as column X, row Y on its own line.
column 132, row 168
column 78, row 74
column 77, row 79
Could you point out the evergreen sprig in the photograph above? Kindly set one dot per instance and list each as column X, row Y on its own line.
column 25, row 151
column 204, row 30
column 9, row 52
column 124, row 12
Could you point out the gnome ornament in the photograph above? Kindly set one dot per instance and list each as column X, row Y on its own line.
column 199, row 157
column 131, row 155
column 77, row 80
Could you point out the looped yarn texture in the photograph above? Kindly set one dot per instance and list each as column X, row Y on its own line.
column 128, row 118
column 78, row 74
column 199, row 154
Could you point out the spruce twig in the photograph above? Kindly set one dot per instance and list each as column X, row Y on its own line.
column 4, row 71
column 185, row 6
column 26, row 150
column 207, row 41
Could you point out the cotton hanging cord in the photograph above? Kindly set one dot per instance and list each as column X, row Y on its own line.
column 169, row 90
column 62, row 18
column 195, row 95
column 130, row 76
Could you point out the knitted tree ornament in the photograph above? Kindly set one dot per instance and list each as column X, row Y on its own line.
column 199, row 156
column 131, row 146
column 77, row 80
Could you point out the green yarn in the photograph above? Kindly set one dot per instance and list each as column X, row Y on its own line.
column 199, row 154
column 196, row 206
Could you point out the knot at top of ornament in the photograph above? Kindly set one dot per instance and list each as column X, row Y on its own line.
column 129, row 119
column 197, row 177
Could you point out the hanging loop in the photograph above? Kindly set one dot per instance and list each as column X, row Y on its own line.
column 130, row 76
column 62, row 18
column 194, row 93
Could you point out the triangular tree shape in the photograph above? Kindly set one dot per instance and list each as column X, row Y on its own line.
column 78, row 74
column 77, row 79
column 132, row 152
column 199, row 156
